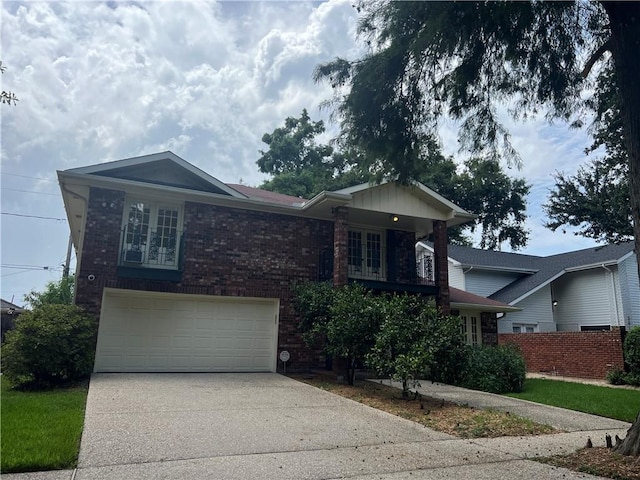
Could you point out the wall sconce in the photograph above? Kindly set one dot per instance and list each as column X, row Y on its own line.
column 554, row 303
column 394, row 218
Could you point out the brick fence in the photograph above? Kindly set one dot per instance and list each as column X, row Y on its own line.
column 570, row 354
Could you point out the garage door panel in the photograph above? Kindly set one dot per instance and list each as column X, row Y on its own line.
column 166, row 332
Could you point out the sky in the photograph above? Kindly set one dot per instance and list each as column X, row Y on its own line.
column 101, row 81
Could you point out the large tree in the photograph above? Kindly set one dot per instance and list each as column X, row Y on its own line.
column 302, row 166
column 467, row 59
column 596, row 199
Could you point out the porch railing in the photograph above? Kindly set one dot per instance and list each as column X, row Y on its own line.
column 152, row 249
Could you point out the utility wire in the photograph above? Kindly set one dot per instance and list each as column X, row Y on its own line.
column 27, row 176
column 30, row 191
column 34, row 216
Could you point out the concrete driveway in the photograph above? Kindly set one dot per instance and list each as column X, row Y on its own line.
column 266, row 426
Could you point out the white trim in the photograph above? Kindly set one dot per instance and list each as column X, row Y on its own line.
column 449, row 259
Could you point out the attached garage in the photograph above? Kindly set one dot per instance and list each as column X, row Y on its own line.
column 163, row 332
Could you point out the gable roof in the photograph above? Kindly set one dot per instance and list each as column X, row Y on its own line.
column 536, row 271
column 164, row 168
column 554, row 266
column 7, row 306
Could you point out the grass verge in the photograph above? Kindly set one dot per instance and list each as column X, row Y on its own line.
column 461, row 421
column 621, row 404
column 40, row 430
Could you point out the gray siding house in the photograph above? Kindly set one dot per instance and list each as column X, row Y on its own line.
column 591, row 289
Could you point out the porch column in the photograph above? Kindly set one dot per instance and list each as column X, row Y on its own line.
column 340, row 248
column 441, row 265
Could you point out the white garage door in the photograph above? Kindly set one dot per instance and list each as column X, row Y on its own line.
column 161, row 332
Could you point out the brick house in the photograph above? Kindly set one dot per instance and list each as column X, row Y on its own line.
column 186, row 273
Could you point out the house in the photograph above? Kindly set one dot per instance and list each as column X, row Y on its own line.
column 186, row 273
column 593, row 289
column 9, row 313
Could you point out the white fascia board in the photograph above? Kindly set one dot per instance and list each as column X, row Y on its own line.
column 453, row 261
column 323, row 197
column 538, row 287
column 529, row 271
column 625, row 256
column 484, row 308
column 608, row 263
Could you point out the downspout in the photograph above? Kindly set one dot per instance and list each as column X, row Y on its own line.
column 615, row 296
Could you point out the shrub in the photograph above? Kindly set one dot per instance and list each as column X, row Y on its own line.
column 312, row 301
column 51, row 345
column 494, row 369
column 632, row 350
column 616, row 377
column 412, row 335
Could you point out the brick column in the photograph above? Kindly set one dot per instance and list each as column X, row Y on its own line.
column 441, row 265
column 340, row 248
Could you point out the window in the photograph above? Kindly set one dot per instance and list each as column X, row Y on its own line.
column 426, row 267
column 365, row 250
column 471, row 329
column 524, row 328
column 151, row 237
column 595, row 328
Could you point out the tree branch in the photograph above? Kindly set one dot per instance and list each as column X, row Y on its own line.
column 606, row 46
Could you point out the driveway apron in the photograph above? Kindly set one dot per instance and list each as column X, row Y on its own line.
column 268, row 426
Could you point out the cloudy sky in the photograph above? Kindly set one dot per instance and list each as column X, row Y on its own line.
column 100, row 81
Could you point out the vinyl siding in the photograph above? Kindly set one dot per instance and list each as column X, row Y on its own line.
column 536, row 310
column 630, row 291
column 584, row 298
column 485, row 283
column 456, row 276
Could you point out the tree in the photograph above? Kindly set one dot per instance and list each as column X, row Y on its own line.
column 7, row 96
column 464, row 59
column 300, row 165
column 303, row 167
column 596, row 199
column 55, row 293
column 411, row 338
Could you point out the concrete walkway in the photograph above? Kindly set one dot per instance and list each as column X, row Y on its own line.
column 265, row 426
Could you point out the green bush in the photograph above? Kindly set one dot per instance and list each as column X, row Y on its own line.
column 494, row 369
column 410, row 340
column 616, row 377
column 632, row 350
column 51, row 345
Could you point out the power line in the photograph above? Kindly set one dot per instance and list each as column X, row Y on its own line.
column 35, row 267
column 30, row 191
column 27, row 176
column 34, row 216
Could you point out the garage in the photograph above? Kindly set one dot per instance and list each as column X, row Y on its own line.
column 162, row 332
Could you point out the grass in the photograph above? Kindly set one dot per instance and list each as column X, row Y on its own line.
column 460, row 421
column 40, row 430
column 621, row 404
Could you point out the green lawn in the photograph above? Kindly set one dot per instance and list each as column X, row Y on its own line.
column 618, row 403
column 40, row 430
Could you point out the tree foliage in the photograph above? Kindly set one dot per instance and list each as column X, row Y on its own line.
column 55, row 293
column 7, row 96
column 303, row 167
column 412, row 337
column 596, row 199
column 466, row 59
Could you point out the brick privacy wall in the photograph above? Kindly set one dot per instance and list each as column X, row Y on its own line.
column 404, row 254
column 231, row 252
column 570, row 354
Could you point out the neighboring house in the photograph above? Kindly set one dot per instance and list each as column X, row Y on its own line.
column 591, row 289
column 186, row 273
column 9, row 313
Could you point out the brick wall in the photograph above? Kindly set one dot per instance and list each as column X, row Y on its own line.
column 570, row 354
column 231, row 252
